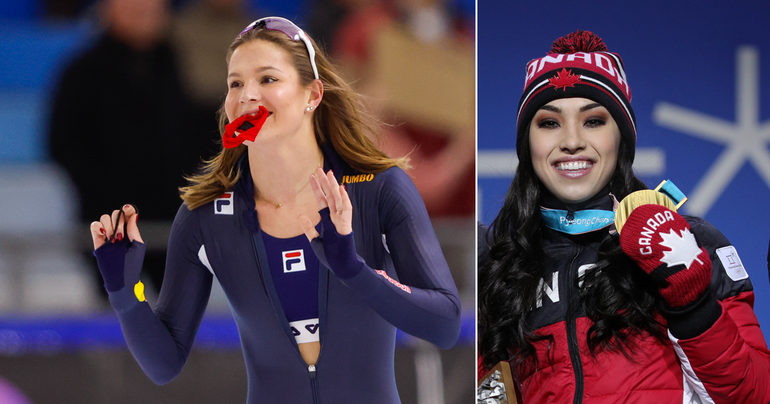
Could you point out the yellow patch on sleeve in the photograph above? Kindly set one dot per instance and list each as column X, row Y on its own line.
column 139, row 291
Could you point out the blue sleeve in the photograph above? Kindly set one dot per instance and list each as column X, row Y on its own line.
column 423, row 302
column 161, row 340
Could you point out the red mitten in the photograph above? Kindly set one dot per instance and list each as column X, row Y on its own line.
column 660, row 242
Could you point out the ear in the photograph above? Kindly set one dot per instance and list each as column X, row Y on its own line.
column 315, row 93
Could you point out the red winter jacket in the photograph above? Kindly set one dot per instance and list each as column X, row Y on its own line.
column 728, row 363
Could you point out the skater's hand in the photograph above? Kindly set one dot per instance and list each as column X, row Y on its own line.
column 119, row 250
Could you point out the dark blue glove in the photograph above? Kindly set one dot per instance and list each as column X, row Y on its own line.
column 335, row 251
column 120, row 263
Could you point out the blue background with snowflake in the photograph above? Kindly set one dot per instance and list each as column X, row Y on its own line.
column 684, row 64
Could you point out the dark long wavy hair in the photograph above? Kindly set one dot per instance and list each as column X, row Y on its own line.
column 621, row 303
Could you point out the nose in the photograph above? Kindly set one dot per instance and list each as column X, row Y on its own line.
column 572, row 140
column 250, row 93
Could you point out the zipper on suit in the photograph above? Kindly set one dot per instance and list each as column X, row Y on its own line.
column 310, row 368
column 312, row 372
column 572, row 340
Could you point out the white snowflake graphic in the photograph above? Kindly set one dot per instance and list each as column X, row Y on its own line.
column 684, row 248
column 745, row 140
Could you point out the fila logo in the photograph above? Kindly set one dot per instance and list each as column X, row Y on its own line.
column 293, row 261
column 224, row 204
column 306, row 330
column 311, row 328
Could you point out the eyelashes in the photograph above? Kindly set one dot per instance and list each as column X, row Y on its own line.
column 262, row 80
column 590, row 122
column 547, row 124
column 595, row 122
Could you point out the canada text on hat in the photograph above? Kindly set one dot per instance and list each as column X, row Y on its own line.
column 579, row 65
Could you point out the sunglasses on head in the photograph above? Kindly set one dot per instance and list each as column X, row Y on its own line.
column 291, row 30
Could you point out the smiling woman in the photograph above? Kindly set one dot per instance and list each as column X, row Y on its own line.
column 574, row 144
column 283, row 64
column 261, row 75
column 316, row 290
column 583, row 311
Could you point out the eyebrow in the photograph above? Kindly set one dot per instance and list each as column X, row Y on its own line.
column 584, row 108
column 259, row 70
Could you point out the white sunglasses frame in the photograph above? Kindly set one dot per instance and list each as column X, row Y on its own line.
column 298, row 36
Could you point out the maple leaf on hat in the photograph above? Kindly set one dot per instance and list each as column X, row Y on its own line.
column 684, row 248
column 564, row 79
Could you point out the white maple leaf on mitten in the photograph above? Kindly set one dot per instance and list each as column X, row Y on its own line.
column 684, row 248
column 651, row 230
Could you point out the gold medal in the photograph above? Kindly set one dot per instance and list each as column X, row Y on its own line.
column 666, row 194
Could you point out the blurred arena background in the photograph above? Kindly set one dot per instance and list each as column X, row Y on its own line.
column 60, row 342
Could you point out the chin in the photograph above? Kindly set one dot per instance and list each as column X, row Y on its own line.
column 575, row 197
column 572, row 200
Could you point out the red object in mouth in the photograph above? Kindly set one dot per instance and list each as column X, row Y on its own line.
column 248, row 125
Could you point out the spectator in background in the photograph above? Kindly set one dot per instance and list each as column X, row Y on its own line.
column 201, row 33
column 442, row 156
column 64, row 8
column 323, row 18
column 122, row 101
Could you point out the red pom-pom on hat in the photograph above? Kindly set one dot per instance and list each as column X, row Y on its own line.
column 578, row 41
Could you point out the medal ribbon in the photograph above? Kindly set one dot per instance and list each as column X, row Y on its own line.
column 579, row 222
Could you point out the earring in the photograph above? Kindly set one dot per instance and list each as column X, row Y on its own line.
column 310, row 108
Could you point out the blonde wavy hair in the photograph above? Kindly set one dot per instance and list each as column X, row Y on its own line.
column 340, row 120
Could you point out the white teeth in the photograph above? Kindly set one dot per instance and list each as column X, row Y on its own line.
column 573, row 165
column 253, row 114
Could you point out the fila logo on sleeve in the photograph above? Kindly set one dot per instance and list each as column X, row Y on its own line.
column 224, row 204
column 293, row 261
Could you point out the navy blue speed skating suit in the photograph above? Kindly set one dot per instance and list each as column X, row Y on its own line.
column 405, row 284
